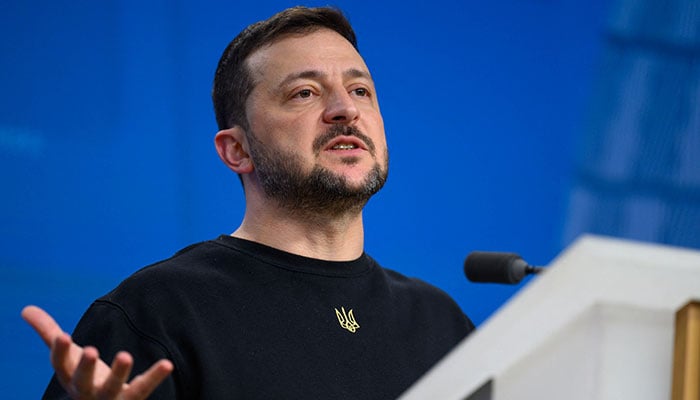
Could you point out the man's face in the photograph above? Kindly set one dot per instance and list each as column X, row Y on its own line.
column 315, row 129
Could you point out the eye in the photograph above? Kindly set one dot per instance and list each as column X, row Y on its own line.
column 362, row 92
column 304, row 93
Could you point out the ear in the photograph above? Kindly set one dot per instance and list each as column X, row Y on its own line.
column 232, row 146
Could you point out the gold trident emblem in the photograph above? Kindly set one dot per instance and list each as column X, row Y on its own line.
column 347, row 321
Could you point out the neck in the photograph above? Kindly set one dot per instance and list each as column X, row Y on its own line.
column 337, row 237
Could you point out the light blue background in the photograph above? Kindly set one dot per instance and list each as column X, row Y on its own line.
column 107, row 160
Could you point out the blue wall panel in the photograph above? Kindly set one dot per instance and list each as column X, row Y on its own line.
column 107, row 160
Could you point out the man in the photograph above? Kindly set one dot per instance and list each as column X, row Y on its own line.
column 288, row 305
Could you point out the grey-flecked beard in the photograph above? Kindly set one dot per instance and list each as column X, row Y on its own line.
column 320, row 192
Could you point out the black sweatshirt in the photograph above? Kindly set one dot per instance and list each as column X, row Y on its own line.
column 240, row 320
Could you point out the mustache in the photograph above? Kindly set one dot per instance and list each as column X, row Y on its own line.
column 342, row 130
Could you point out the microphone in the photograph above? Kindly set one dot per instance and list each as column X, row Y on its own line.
column 495, row 267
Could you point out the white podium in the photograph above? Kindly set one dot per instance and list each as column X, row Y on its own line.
column 598, row 324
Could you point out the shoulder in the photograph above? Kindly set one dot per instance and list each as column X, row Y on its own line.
column 423, row 298
column 185, row 282
column 410, row 286
column 163, row 300
column 195, row 265
column 415, row 290
column 417, row 303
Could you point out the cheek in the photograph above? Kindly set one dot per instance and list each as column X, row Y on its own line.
column 376, row 128
column 268, row 125
column 289, row 133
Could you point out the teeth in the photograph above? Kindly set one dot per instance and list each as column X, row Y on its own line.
column 343, row 146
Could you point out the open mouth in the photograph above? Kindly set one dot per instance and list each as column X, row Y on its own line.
column 346, row 143
column 344, row 146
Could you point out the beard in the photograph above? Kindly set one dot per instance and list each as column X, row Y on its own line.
column 319, row 192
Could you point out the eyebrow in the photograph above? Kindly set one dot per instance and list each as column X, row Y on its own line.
column 357, row 73
column 315, row 74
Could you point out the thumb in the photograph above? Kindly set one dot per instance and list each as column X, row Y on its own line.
column 43, row 323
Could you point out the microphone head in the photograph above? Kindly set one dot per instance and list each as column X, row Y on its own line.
column 494, row 267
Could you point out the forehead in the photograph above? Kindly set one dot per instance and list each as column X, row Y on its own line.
column 323, row 50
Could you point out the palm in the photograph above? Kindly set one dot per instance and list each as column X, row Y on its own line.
column 83, row 374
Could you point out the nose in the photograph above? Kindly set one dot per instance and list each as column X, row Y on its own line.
column 341, row 108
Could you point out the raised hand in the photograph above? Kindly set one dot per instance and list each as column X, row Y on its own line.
column 81, row 372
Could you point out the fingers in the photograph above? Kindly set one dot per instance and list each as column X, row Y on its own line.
column 82, row 381
column 79, row 370
column 121, row 368
column 61, row 359
column 42, row 323
column 84, row 375
column 60, row 343
column 143, row 385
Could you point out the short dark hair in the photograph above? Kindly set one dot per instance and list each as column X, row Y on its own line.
column 233, row 82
